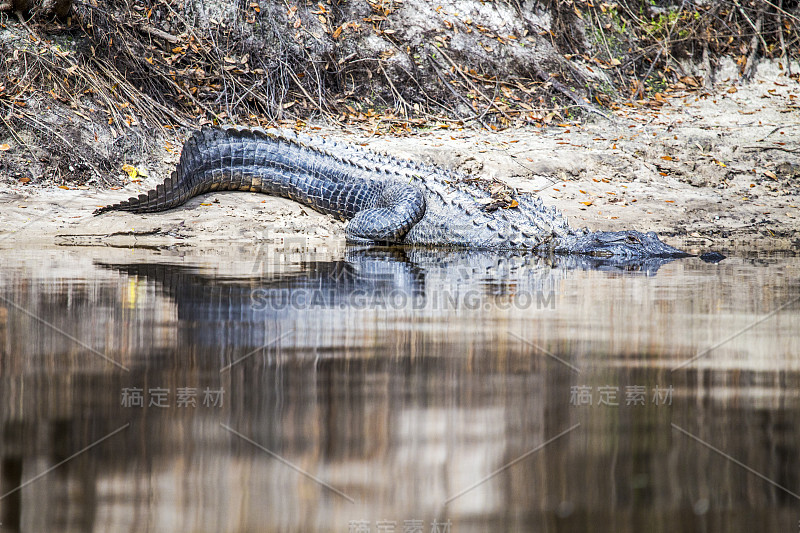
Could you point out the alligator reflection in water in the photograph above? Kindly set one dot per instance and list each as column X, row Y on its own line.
column 255, row 310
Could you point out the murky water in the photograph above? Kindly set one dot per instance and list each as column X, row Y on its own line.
column 277, row 389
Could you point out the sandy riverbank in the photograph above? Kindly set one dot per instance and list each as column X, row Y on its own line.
column 714, row 171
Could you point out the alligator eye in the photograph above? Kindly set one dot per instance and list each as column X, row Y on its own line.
column 632, row 239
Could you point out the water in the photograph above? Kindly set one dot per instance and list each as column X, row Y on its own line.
column 388, row 390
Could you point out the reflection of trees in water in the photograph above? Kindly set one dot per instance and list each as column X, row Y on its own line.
column 400, row 408
column 399, row 430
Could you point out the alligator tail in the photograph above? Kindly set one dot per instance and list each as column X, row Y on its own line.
column 184, row 183
column 242, row 159
column 163, row 197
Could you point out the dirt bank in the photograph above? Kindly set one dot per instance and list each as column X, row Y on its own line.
column 718, row 170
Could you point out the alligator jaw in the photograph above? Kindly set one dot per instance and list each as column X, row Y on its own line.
column 623, row 244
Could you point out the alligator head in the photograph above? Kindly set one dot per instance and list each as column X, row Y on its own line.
column 620, row 244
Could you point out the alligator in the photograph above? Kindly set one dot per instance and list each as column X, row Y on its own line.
column 247, row 310
column 385, row 200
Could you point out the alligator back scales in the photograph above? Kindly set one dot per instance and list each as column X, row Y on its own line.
column 384, row 199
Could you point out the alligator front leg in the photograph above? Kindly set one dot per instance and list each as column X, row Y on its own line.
column 398, row 208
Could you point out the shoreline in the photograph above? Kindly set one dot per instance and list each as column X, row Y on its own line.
column 706, row 172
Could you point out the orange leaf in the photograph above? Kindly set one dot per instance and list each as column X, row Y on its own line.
column 666, row 158
column 587, row 203
column 4, row 147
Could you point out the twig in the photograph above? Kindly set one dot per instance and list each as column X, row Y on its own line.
column 560, row 87
column 784, row 55
column 756, row 27
column 491, row 102
column 399, row 96
column 708, row 82
column 485, row 111
column 666, row 42
column 781, row 148
column 776, row 128
column 14, row 134
column 605, row 42
column 456, row 93
column 750, row 66
column 122, row 83
column 303, row 89
column 24, row 23
column 781, row 10
column 248, row 91
column 155, row 32
column 49, row 129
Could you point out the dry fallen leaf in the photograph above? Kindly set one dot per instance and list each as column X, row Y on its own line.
column 587, row 203
column 4, row 147
column 131, row 171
